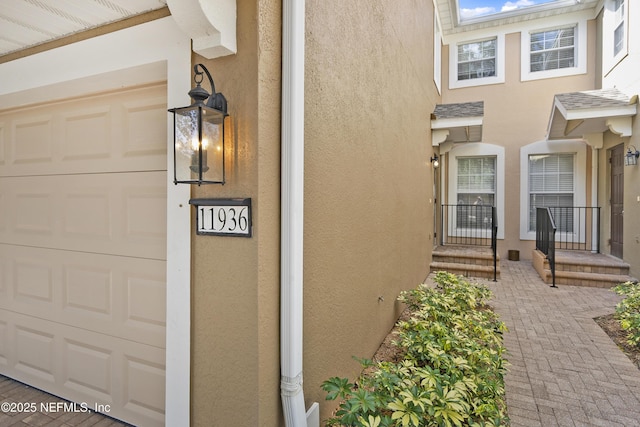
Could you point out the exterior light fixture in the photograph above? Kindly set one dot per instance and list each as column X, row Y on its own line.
column 435, row 161
column 631, row 158
column 198, row 135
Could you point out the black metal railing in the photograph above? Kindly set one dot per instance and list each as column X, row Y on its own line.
column 470, row 225
column 578, row 228
column 494, row 242
column 546, row 238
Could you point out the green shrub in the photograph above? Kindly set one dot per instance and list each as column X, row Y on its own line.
column 452, row 372
column 628, row 311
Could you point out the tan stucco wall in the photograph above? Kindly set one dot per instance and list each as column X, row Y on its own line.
column 235, row 306
column 624, row 76
column 514, row 121
column 368, row 180
column 368, row 202
column 631, row 250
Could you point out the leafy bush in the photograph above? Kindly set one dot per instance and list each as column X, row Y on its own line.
column 452, row 371
column 628, row 311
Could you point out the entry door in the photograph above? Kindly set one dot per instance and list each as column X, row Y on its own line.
column 617, row 195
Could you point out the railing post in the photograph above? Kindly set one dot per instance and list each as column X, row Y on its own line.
column 494, row 242
column 598, row 231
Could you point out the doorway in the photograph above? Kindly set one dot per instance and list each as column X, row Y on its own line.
column 617, row 197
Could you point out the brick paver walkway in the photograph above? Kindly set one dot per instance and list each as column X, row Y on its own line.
column 24, row 406
column 565, row 370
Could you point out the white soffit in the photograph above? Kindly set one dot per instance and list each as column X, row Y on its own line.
column 28, row 23
column 211, row 24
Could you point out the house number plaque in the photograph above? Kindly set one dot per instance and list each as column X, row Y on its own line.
column 223, row 217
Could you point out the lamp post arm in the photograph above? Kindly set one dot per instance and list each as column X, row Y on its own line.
column 216, row 100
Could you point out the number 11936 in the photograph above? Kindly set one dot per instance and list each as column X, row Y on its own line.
column 225, row 220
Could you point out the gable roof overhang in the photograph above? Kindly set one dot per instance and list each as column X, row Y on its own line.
column 460, row 122
column 579, row 114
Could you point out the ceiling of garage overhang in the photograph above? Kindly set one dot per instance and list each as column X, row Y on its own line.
column 28, row 23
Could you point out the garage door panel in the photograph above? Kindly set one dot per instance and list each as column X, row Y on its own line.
column 119, row 214
column 144, row 141
column 77, row 126
column 32, row 141
column 33, row 281
column 141, row 375
column 108, row 294
column 86, row 367
column 4, row 340
column 83, row 193
column 33, row 352
column 113, row 132
column 2, row 144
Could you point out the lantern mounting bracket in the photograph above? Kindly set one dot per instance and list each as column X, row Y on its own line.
column 216, row 100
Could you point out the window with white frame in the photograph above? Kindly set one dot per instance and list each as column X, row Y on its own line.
column 477, row 60
column 472, row 171
column 615, row 27
column 619, row 32
column 556, row 51
column 476, row 180
column 551, row 184
column 552, row 49
column 437, row 53
column 476, row 190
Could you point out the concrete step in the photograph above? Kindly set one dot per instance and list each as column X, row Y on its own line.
column 576, row 269
column 465, row 269
column 461, row 258
column 596, row 280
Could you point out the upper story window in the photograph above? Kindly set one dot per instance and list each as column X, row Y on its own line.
column 478, row 62
column 552, row 49
column 618, row 33
column 615, row 27
column 554, row 52
column 437, row 53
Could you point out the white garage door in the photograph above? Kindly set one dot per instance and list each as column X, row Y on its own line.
column 83, row 250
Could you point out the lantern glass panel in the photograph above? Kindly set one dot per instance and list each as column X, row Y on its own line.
column 199, row 148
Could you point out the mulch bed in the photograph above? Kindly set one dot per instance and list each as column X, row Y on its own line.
column 612, row 327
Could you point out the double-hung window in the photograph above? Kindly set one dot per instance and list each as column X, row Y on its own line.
column 551, row 184
column 477, row 60
column 554, row 52
column 615, row 33
column 619, row 32
column 552, row 49
column 476, row 191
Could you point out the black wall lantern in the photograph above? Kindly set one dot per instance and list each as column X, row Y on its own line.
column 631, row 158
column 435, row 160
column 198, row 135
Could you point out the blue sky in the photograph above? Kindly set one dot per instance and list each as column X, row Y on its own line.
column 472, row 8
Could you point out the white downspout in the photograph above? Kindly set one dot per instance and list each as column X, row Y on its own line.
column 292, row 218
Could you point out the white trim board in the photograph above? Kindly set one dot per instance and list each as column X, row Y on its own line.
column 149, row 52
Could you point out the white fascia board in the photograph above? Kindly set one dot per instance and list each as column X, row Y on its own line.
column 600, row 113
column 457, row 122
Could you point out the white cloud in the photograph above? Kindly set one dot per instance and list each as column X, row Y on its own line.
column 478, row 11
column 513, row 5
